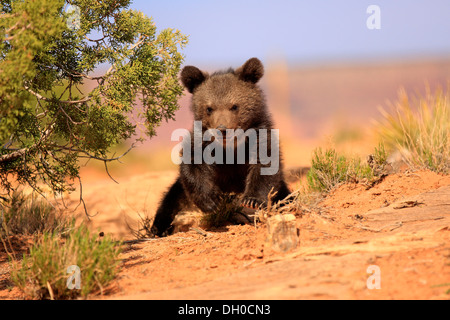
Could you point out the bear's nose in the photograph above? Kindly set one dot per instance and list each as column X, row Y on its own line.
column 222, row 128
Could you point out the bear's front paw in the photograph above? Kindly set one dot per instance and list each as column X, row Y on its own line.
column 212, row 205
column 157, row 232
column 252, row 203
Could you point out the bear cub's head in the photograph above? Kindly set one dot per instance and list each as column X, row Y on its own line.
column 227, row 99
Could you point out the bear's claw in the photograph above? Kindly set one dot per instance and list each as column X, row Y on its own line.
column 252, row 203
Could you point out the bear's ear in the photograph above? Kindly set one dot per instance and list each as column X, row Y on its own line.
column 250, row 71
column 192, row 77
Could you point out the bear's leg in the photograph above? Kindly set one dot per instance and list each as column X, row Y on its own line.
column 258, row 186
column 200, row 187
column 171, row 204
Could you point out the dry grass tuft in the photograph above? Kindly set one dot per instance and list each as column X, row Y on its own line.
column 143, row 228
column 419, row 128
column 31, row 214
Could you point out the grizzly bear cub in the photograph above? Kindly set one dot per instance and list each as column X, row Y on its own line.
column 224, row 101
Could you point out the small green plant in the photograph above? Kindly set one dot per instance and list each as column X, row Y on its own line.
column 329, row 169
column 419, row 128
column 31, row 214
column 380, row 155
column 377, row 161
column 44, row 272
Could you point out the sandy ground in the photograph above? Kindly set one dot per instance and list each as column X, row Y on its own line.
column 401, row 225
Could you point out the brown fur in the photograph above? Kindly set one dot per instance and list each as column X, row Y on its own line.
column 224, row 100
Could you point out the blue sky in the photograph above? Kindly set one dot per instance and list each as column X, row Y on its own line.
column 304, row 32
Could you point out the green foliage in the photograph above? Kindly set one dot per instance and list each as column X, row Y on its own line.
column 380, row 155
column 43, row 273
column 420, row 129
column 48, row 118
column 30, row 214
column 329, row 169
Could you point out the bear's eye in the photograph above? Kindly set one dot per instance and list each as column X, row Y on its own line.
column 234, row 108
column 209, row 110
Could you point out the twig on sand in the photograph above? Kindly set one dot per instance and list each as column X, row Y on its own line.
column 138, row 240
column 393, row 225
column 200, row 231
